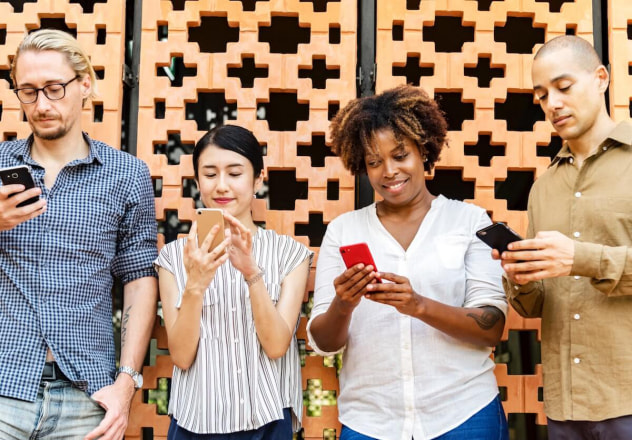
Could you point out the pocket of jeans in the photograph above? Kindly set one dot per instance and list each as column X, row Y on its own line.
column 96, row 403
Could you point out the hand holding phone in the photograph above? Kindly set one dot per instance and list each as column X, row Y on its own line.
column 358, row 253
column 206, row 219
column 498, row 236
column 19, row 175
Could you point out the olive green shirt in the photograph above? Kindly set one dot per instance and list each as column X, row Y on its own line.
column 587, row 316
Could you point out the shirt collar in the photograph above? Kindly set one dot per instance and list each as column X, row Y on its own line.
column 620, row 135
column 24, row 152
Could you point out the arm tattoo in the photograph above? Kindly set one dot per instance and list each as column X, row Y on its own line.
column 488, row 319
column 124, row 325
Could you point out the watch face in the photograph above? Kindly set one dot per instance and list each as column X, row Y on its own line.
column 139, row 380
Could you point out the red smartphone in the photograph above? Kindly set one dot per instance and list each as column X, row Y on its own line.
column 353, row 254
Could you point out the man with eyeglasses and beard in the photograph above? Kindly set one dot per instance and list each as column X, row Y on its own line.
column 94, row 221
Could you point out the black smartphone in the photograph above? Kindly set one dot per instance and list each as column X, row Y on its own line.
column 20, row 175
column 498, row 236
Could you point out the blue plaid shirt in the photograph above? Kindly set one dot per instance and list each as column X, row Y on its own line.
column 56, row 270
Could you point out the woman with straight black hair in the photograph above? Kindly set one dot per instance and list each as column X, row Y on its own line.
column 231, row 312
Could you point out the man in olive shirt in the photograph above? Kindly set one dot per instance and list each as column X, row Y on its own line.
column 575, row 270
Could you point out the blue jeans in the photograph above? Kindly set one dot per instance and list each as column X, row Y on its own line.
column 277, row 430
column 60, row 411
column 489, row 423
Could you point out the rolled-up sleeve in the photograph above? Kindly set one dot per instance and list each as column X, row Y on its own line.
column 137, row 241
column 328, row 267
column 608, row 267
column 483, row 274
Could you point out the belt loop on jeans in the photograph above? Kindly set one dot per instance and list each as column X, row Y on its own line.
column 53, row 372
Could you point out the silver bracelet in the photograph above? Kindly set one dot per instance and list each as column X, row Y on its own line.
column 254, row 279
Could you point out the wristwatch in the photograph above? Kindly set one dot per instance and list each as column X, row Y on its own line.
column 136, row 376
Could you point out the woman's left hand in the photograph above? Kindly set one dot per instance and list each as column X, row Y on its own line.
column 240, row 248
column 399, row 294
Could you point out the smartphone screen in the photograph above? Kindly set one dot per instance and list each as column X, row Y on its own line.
column 353, row 254
column 20, row 175
column 206, row 219
column 498, row 236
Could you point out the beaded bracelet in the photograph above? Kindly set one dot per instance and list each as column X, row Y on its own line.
column 254, row 279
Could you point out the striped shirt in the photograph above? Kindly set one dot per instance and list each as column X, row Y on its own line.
column 57, row 270
column 233, row 385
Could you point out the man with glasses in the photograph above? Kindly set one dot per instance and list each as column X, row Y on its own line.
column 94, row 221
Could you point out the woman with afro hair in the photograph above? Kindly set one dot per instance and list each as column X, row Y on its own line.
column 417, row 334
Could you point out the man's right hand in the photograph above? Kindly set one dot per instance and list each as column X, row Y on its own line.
column 13, row 195
column 508, row 272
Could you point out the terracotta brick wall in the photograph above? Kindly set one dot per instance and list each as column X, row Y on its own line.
column 282, row 68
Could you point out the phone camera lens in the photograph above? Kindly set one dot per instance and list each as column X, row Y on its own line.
column 14, row 175
column 483, row 233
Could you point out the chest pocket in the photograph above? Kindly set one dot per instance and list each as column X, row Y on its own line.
column 450, row 249
column 614, row 225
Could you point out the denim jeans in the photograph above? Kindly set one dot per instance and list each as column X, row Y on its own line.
column 277, row 430
column 489, row 423
column 60, row 411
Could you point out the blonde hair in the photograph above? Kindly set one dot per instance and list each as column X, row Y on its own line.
column 58, row 41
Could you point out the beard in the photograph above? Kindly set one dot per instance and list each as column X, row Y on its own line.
column 49, row 135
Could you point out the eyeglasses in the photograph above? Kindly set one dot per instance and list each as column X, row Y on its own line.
column 53, row 92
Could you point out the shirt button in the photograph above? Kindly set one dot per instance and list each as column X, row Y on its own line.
column 577, row 277
column 577, row 360
column 516, row 287
column 576, row 234
column 234, row 309
column 578, row 194
column 605, row 148
column 570, row 160
column 241, row 401
column 238, row 371
column 236, row 341
column 576, row 316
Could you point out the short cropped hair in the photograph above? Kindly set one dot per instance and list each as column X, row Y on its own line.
column 405, row 110
column 585, row 53
column 58, row 41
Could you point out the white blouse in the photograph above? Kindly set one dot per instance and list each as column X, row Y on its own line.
column 233, row 385
column 402, row 378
